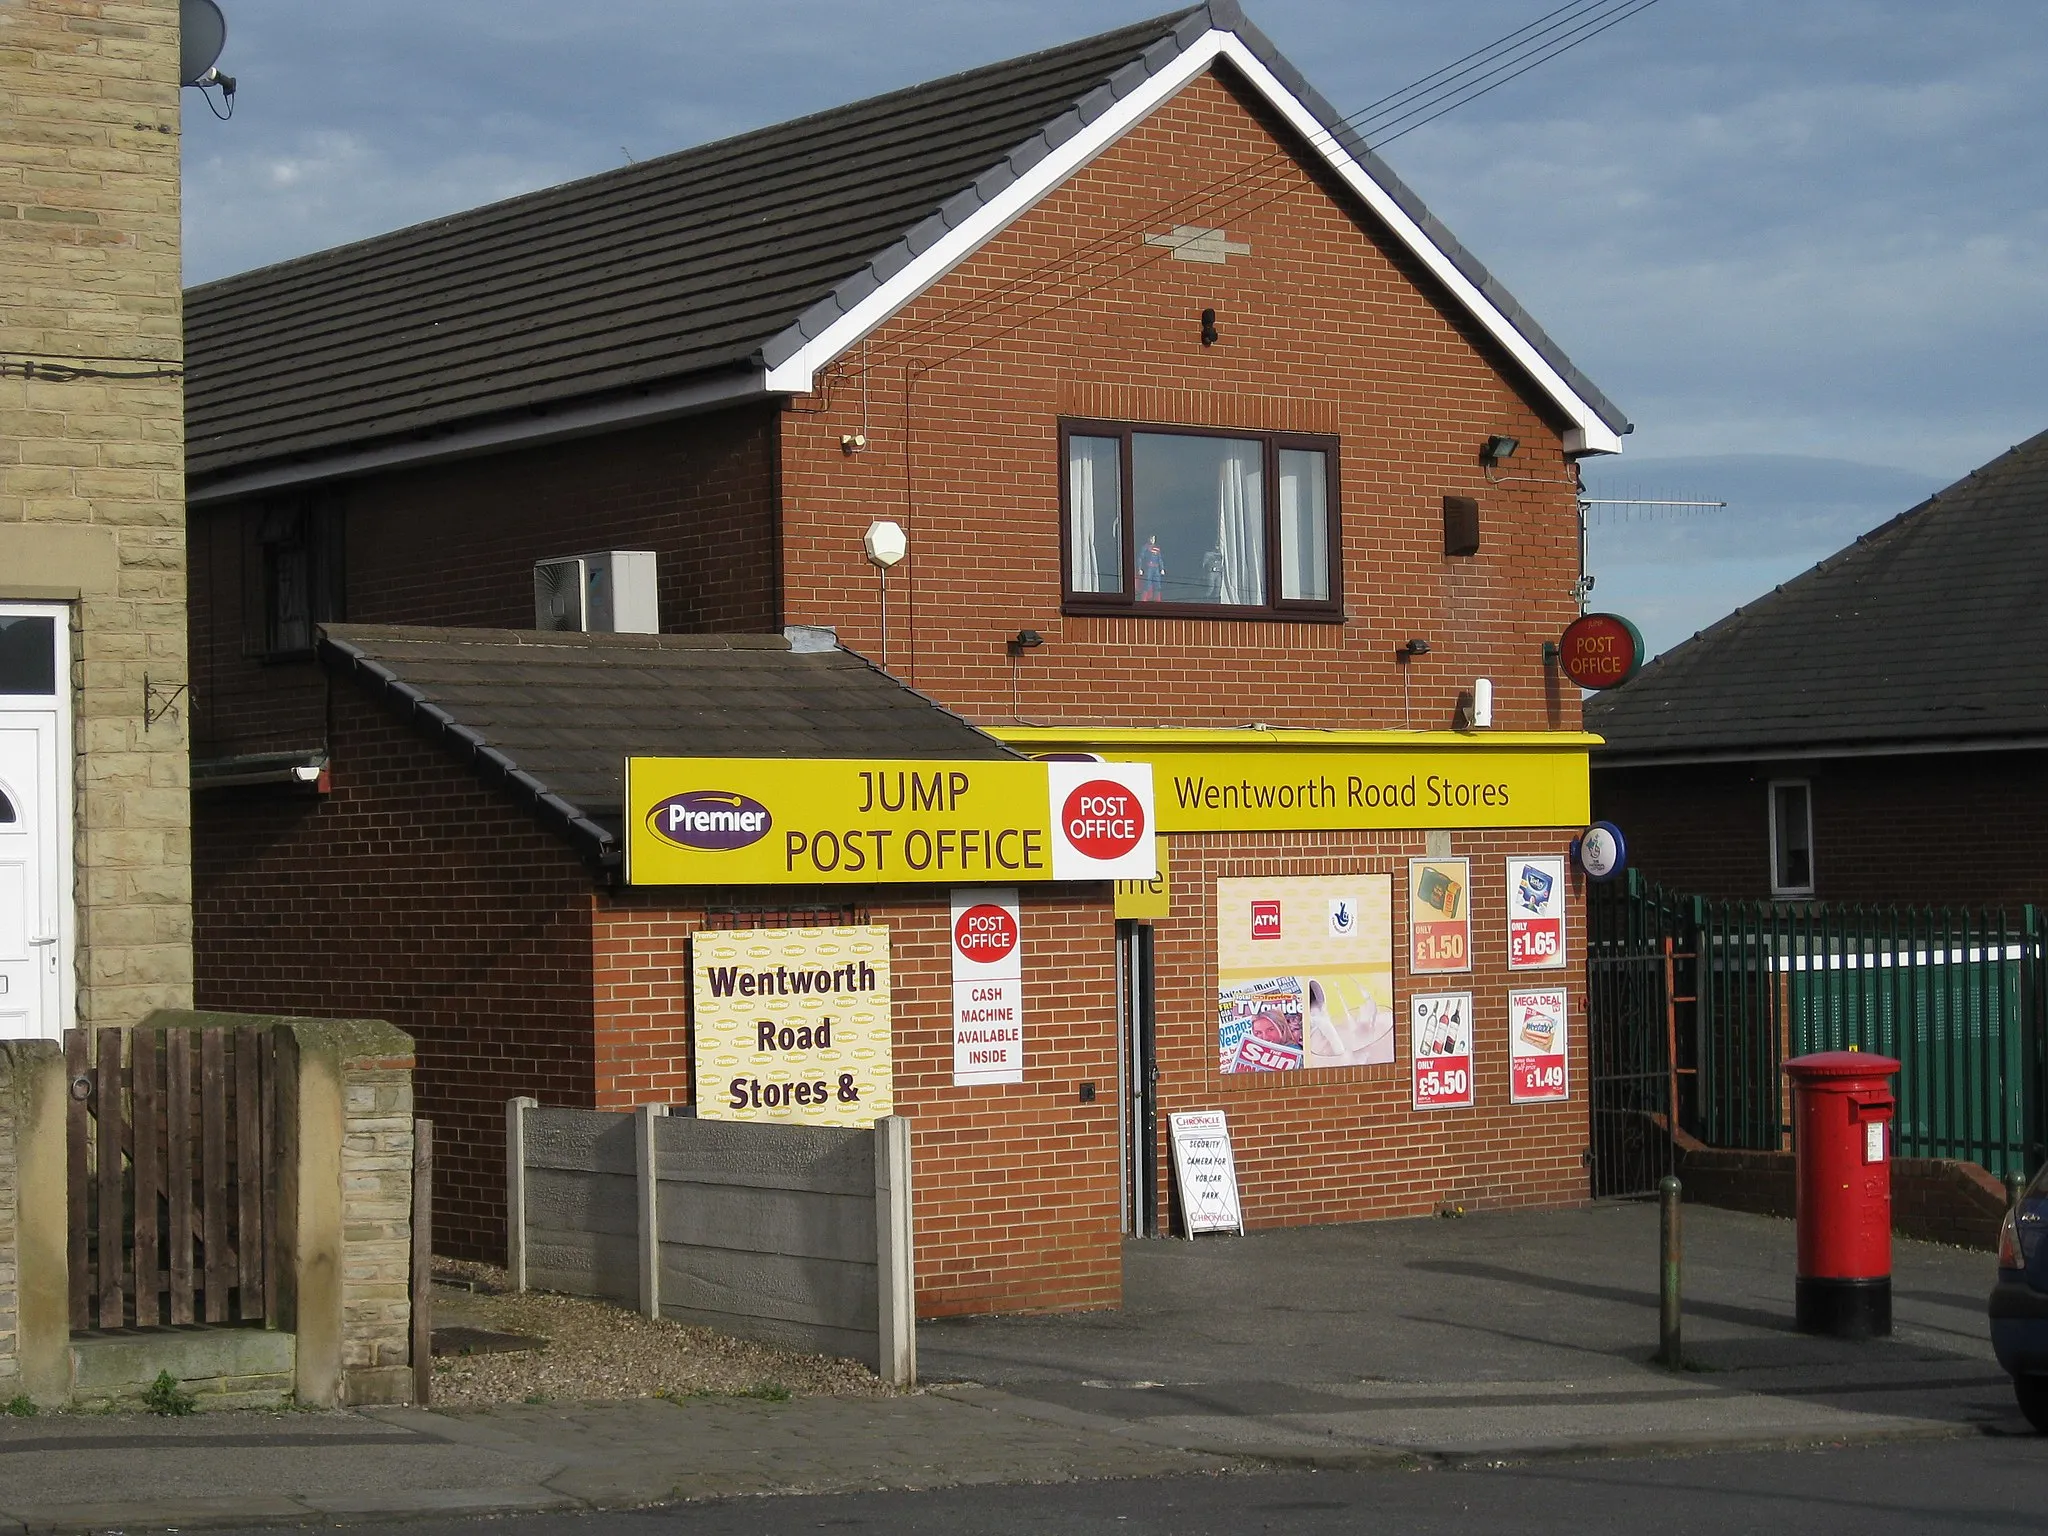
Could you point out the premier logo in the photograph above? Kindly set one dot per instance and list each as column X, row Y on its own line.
column 710, row 820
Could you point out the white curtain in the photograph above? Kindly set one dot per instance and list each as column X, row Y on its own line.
column 1304, row 526
column 1095, row 514
column 1240, row 525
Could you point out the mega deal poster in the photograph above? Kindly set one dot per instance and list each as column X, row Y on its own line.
column 1305, row 972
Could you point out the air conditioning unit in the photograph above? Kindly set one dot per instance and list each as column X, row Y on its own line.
column 607, row 593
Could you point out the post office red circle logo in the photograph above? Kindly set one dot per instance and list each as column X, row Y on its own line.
column 1600, row 650
column 1103, row 819
column 985, row 933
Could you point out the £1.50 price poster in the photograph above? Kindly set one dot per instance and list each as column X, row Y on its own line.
column 1536, row 914
column 1439, row 916
column 1441, row 1029
column 1536, row 1046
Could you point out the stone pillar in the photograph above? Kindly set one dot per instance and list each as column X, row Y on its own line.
column 35, row 1321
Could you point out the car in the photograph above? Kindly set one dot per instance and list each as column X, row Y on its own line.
column 2019, row 1302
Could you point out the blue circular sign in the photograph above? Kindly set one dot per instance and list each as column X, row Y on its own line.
column 1601, row 851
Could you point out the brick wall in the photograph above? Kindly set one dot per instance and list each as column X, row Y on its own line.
column 1934, row 1199
column 1016, row 1185
column 92, row 467
column 1325, row 327
column 1956, row 828
column 455, row 544
column 1344, row 1144
column 413, row 894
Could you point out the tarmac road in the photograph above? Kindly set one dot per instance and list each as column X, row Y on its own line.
column 1983, row 1485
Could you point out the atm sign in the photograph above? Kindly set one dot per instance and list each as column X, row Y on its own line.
column 1600, row 650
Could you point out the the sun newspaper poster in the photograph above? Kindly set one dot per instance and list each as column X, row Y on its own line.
column 1305, row 972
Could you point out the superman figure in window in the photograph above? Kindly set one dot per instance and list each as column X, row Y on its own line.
column 1151, row 572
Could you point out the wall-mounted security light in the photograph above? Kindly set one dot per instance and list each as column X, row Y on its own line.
column 1025, row 640
column 851, row 443
column 1496, row 448
column 1412, row 649
column 1209, row 331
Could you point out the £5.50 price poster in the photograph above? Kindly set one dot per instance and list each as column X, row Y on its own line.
column 1440, row 1026
column 1536, row 914
column 1536, row 1046
column 1439, row 916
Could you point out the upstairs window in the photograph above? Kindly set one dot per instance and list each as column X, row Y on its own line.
column 1187, row 522
column 301, row 543
column 1791, row 838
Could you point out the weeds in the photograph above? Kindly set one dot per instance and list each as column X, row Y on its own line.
column 19, row 1406
column 167, row 1398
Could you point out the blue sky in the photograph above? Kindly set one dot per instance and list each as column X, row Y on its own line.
column 1804, row 243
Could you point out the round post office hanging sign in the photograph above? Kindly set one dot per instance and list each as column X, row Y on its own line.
column 1600, row 650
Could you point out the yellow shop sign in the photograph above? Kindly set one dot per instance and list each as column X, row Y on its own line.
column 1308, row 781
column 780, row 821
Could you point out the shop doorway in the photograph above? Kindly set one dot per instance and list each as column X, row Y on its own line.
column 1140, row 1118
column 35, row 823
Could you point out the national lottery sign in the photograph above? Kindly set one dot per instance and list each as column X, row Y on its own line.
column 845, row 821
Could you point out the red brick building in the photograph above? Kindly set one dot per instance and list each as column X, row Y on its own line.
column 1212, row 448
column 1875, row 731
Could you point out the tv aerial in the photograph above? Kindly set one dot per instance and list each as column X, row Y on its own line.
column 202, row 34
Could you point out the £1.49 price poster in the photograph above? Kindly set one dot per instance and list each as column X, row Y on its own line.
column 1536, row 1046
column 1441, row 1029
column 1536, row 914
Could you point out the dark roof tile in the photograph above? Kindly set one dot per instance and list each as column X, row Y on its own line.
column 568, row 709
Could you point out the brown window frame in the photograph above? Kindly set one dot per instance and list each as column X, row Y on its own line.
column 1328, row 610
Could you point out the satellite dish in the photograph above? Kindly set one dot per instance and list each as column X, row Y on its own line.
column 202, row 34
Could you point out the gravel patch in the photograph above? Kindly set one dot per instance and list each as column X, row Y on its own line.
column 592, row 1351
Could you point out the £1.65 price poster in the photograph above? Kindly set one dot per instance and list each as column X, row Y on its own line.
column 1535, row 914
column 1441, row 1029
column 1536, row 1046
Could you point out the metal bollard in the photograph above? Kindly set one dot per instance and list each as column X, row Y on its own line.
column 1670, row 1352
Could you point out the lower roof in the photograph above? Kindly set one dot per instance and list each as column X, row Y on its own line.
column 555, row 716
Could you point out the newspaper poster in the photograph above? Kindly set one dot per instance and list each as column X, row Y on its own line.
column 1441, row 1025
column 1205, row 1172
column 988, row 987
column 1536, row 914
column 1305, row 973
column 1536, row 1046
column 1439, row 916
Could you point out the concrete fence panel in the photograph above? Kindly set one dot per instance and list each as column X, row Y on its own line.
column 795, row 1235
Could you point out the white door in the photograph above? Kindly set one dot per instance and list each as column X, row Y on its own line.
column 35, row 822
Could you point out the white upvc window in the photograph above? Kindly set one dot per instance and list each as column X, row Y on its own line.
column 1791, row 838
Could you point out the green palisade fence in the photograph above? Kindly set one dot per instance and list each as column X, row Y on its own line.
column 1955, row 995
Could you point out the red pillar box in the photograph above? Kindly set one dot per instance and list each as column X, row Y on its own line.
column 1841, row 1129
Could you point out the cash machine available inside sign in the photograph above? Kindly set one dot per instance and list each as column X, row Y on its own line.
column 809, row 821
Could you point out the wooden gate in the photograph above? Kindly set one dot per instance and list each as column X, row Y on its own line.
column 173, row 1168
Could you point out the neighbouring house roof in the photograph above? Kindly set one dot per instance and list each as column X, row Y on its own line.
column 727, row 271
column 553, row 717
column 1930, row 631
